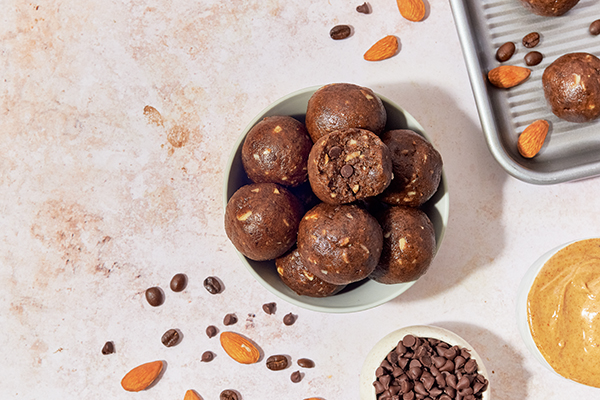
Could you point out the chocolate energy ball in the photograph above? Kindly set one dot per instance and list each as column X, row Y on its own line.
column 572, row 87
column 408, row 245
column 549, row 8
column 261, row 220
column 296, row 276
column 276, row 150
column 341, row 106
column 417, row 167
column 340, row 244
column 349, row 165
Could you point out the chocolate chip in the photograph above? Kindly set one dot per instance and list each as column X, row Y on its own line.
column 409, row 341
column 289, row 319
column 211, row 331
column 335, row 152
column 531, row 40
column 229, row 319
column 155, row 296
column 505, row 52
column 178, row 282
column 213, row 285
column 463, row 383
column 269, row 308
column 229, row 395
column 340, row 32
column 296, row 376
column 171, row 338
column 347, row 171
column 306, row 363
column 533, row 58
column 108, row 348
column 595, row 27
column 364, row 9
column 207, row 356
column 277, row 362
column 471, row 366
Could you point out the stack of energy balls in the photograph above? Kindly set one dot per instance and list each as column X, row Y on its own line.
column 362, row 187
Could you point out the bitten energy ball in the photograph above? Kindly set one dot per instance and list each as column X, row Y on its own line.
column 408, row 245
column 340, row 244
column 572, row 87
column 276, row 150
column 296, row 276
column 349, row 165
column 549, row 8
column 341, row 106
column 261, row 220
column 417, row 167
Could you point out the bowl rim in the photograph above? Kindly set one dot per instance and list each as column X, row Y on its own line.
column 402, row 287
column 386, row 344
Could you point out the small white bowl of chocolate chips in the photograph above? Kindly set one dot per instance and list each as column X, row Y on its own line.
column 423, row 362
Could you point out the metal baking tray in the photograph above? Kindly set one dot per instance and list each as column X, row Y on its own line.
column 571, row 150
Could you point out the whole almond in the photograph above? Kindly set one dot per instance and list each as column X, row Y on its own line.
column 142, row 376
column 412, row 10
column 382, row 49
column 532, row 139
column 239, row 348
column 507, row 76
column 191, row 395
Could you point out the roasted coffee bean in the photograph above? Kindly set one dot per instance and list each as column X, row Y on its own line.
column 595, row 27
column 170, row 338
column 505, row 52
column 211, row 331
column 207, row 356
column 277, row 362
column 229, row 319
column 269, row 308
column 364, row 9
column 178, row 282
column 213, row 285
column 155, row 296
column 296, row 376
column 108, row 348
column 289, row 319
column 533, row 58
column 306, row 363
column 531, row 40
column 229, row 395
column 340, row 32
column 347, row 171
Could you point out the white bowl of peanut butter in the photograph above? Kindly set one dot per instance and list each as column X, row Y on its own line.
column 558, row 310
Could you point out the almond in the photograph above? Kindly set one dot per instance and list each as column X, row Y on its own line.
column 141, row 377
column 532, row 139
column 412, row 10
column 384, row 48
column 507, row 76
column 191, row 395
column 239, row 348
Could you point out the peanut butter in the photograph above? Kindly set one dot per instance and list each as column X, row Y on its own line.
column 563, row 308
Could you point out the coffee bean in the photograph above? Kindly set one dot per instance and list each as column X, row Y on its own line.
column 531, row 40
column 211, row 331
column 347, row 171
column 335, row 152
column 229, row 395
column 171, row 338
column 207, row 356
column 296, row 376
column 505, row 52
column 178, row 282
column 229, row 319
column 306, row 363
column 533, row 58
column 269, row 308
column 108, row 348
column 340, row 32
column 289, row 319
column 277, row 362
column 364, row 9
column 213, row 285
column 595, row 27
column 155, row 296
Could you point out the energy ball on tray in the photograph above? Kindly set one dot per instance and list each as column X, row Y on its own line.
column 417, row 167
column 340, row 244
column 572, row 87
column 296, row 276
column 344, row 105
column 276, row 150
column 349, row 165
column 261, row 220
column 408, row 245
column 549, row 8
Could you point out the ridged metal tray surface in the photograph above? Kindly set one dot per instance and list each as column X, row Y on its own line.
column 571, row 150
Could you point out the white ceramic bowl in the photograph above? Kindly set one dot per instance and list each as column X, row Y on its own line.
column 380, row 351
column 358, row 296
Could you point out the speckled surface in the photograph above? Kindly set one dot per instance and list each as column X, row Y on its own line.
column 117, row 119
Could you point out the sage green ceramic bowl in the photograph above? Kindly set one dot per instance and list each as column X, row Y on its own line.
column 357, row 296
